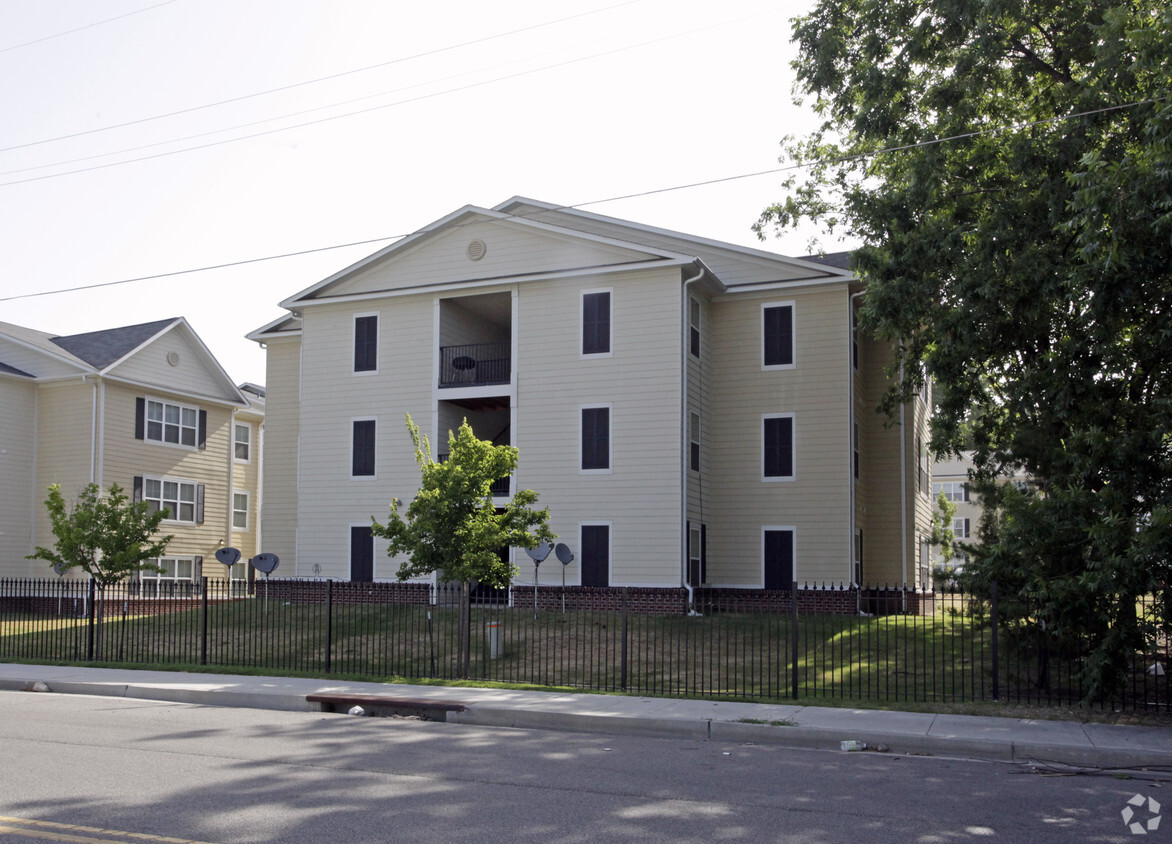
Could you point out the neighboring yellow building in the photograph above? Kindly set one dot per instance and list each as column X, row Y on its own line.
column 695, row 414
column 146, row 407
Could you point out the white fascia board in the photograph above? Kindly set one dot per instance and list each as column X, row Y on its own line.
column 758, row 286
column 266, row 332
column 503, row 281
column 746, row 251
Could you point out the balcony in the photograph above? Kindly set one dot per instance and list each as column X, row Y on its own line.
column 500, row 487
column 475, row 365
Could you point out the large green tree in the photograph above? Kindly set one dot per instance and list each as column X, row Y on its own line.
column 1008, row 168
column 107, row 536
column 452, row 525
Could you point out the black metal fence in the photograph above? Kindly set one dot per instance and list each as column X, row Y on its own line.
column 944, row 647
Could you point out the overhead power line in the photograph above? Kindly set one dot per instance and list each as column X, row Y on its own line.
column 87, row 26
column 653, row 192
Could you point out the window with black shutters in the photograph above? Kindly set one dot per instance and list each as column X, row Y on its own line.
column 596, row 323
column 366, row 343
column 779, row 571
column 362, row 462
column 595, row 439
column 778, row 446
column 777, row 331
column 595, row 555
column 694, row 327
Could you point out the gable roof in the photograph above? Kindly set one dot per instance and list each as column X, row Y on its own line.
column 101, row 348
column 12, row 370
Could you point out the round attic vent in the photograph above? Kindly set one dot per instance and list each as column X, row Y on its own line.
column 476, row 250
column 173, row 358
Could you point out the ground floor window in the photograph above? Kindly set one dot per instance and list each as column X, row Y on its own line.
column 595, row 555
column 178, row 576
column 779, row 570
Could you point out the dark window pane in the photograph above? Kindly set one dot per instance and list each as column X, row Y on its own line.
column 596, row 438
column 596, row 323
column 779, row 336
column 363, row 457
column 779, row 447
column 779, row 559
column 365, row 343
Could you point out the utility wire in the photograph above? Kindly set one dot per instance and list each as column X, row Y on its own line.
column 304, row 124
column 87, row 26
column 688, row 186
column 293, row 85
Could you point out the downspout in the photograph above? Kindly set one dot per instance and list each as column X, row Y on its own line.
column 903, row 490
column 700, row 269
column 85, row 379
column 230, row 515
column 100, row 435
column 850, row 438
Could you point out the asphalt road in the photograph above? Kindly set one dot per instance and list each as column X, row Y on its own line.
column 83, row 769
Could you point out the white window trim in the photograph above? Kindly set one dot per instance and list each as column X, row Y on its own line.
column 247, row 510
column 350, row 453
column 162, row 479
column 609, row 548
column 146, row 423
column 793, row 445
column 609, row 441
column 157, row 577
column 764, row 529
column 582, row 324
column 793, row 337
column 378, row 322
column 236, row 441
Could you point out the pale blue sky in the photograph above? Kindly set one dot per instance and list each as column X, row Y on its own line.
column 625, row 97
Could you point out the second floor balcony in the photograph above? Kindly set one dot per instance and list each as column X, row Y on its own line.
column 475, row 365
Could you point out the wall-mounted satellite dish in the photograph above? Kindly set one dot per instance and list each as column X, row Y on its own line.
column 539, row 553
column 564, row 554
column 228, row 556
column 59, row 568
column 265, row 563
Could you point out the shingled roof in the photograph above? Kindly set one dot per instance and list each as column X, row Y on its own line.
column 101, row 348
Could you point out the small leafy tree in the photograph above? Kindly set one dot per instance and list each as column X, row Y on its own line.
column 942, row 537
column 452, row 526
column 106, row 536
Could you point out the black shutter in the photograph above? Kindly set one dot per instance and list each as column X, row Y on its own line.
column 966, row 491
column 140, row 418
column 197, row 568
column 203, row 430
column 703, row 553
column 779, row 447
column 199, row 497
column 361, row 554
column 365, row 343
column 136, row 496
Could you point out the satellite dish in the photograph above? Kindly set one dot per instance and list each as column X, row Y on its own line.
column 59, row 568
column 265, row 562
column 540, row 552
column 228, row 556
column 564, row 554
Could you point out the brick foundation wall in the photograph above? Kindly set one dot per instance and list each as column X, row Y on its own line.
column 649, row 600
column 344, row 592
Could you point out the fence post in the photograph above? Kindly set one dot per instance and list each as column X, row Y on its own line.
column 793, row 638
column 996, row 655
column 623, row 678
column 89, row 651
column 203, row 630
column 329, row 622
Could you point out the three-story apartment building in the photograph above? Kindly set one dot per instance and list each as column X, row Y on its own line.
column 695, row 414
column 146, row 407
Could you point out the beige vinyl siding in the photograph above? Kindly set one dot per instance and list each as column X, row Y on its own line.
column 816, row 501
column 281, row 442
column 124, row 457
column 330, row 500
column 246, row 478
column 65, row 445
column 18, row 495
column 640, row 381
column 192, row 375
column 511, row 249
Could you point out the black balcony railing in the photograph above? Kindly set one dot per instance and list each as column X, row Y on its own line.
column 475, row 365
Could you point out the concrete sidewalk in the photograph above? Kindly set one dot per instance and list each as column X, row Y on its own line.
column 966, row 736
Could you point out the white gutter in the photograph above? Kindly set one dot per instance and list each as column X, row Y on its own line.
column 903, row 488
column 93, row 429
column 100, row 434
column 684, row 443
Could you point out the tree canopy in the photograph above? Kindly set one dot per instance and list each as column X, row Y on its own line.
column 452, row 525
column 1008, row 168
column 106, row 536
